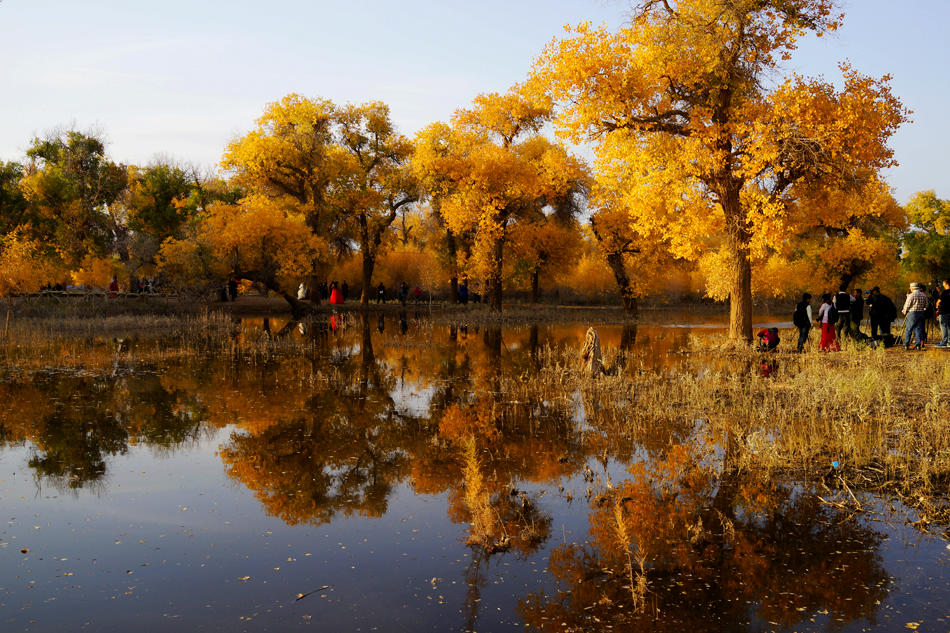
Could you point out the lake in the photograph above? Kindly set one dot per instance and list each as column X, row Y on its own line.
column 367, row 474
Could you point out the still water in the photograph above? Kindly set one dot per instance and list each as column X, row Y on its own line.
column 332, row 490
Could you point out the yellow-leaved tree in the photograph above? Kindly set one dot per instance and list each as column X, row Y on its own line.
column 492, row 168
column 257, row 239
column 544, row 246
column 343, row 168
column 372, row 181
column 25, row 264
column 696, row 144
column 638, row 258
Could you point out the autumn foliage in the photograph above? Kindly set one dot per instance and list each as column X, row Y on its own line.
column 714, row 173
column 692, row 142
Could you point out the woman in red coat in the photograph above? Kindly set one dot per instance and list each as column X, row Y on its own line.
column 829, row 341
column 336, row 297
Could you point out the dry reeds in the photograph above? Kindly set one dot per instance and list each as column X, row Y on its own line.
column 877, row 419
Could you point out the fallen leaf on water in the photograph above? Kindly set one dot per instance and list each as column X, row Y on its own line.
column 243, row 578
column 301, row 596
column 912, row 625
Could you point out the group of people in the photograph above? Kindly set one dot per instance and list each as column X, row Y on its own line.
column 402, row 293
column 333, row 291
column 842, row 314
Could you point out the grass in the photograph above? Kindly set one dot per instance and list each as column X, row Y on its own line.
column 883, row 416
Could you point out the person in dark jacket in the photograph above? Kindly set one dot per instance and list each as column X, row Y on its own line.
column 943, row 314
column 882, row 312
column 857, row 310
column 803, row 318
column 842, row 302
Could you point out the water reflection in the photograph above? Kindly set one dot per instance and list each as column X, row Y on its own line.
column 709, row 549
column 74, row 422
column 366, row 407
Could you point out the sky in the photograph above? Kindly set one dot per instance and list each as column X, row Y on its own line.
column 179, row 79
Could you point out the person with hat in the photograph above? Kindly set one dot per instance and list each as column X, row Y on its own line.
column 943, row 314
column 915, row 313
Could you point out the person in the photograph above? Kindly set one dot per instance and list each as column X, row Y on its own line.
column 403, row 292
column 768, row 339
column 345, row 291
column 857, row 310
column 915, row 312
column 882, row 312
column 463, row 292
column 336, row 297
column 931, row 316
column 943, row 314
column 417, row 294
column 301, row 292
column 113, row 287
column 232, row 289
column 829, row 338
column 380, row 294
column 802, row 319
column 842, row 302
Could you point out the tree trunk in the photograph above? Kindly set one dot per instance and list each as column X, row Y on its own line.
column 454, row 279
column 492, row 339
column 535, row 285
column 740, row 283
column 628, row 297
column 494, row 279
column 369, row 263
column 298, row 308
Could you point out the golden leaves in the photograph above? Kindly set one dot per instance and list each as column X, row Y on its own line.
column 24, row 264
column 256, row 235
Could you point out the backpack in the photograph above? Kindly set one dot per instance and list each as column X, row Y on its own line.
column 832, row 313
column 800, row 316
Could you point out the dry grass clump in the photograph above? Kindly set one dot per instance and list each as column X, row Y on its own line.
column 872, row 420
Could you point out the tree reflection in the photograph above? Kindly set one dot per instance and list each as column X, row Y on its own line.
column 74, row 423
column 679, row 538
column 340, row 451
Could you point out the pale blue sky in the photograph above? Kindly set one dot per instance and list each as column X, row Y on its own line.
column 180, row 79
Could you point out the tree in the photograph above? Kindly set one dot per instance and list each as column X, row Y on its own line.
column 430, row 165
column 342, row 168
column 286, row 158
column 257, row 240
column 70, row 184
column 544, row 245
column 25, row 265
column 637, row 260
column 491, row 168
column 927, row 243
column 162, row 198
column 695, row 142
column 372, row 180
column 14, row 209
